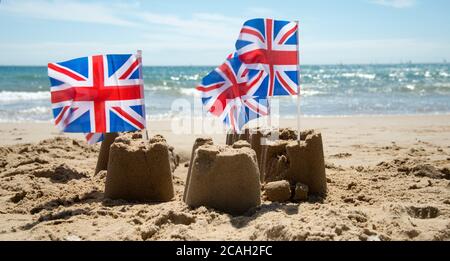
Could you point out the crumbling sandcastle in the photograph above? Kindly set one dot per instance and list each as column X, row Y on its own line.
column 223, row 177
column 139, row 170
column 301, row 164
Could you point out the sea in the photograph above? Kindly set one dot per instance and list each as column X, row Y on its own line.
column 326, row 90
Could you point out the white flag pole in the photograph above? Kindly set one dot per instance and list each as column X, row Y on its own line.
column 139, row 56
column 298, row 81
column 269, row 109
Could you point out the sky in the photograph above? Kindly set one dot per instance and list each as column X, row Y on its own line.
column 202, row 32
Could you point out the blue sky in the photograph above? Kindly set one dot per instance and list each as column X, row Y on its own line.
column 34, row 32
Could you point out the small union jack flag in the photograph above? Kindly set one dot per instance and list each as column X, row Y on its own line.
column 269, row 48
column 227, row 93
column 98, row 94
column 93, row 138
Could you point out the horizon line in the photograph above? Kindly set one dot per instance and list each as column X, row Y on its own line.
column 306, row 64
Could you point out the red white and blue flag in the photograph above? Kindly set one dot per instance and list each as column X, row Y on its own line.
column 269, row 48
column 98, row 94
column 93, row 138
column 228, row 93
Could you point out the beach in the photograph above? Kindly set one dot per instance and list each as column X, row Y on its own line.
column 388, row 178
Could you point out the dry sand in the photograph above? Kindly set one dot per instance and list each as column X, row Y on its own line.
column 388, row 178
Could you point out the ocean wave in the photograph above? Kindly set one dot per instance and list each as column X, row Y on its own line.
column 8, row 96
column 308, row 93
column 37, row 110
column 194, row 77
column 367, row 76
column 444, row 74
column 190, row 92
column 397, row 75
column 173, row 90
column 32, row 114
column 411, row 87
column 158, row 88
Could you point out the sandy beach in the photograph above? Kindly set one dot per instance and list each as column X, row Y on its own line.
column 388, row 178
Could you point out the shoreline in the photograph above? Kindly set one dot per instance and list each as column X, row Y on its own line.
column 308, row 65
column 48, row 130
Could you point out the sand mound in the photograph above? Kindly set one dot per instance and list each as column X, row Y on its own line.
column 416, row 168
column 426, row 170
column 278, row 191
column 241, row 144
column 288, row 134
column 224, row 178
column 139, row 170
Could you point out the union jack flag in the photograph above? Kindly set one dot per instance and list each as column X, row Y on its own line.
column 228, row 93
column 269, row 48
column 93, row 138
column 98, row 94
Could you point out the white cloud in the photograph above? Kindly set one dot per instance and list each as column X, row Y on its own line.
column 198, row 32
column 395, row 3
column 199, row 25
column 166, row 28
column 200, row 37
column 87, row 12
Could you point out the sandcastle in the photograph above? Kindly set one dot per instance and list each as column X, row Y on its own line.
column 103, row 156
column 198, row 142
column 139, row 170
column 307, row 164
column 301, row 164
column 223, row 177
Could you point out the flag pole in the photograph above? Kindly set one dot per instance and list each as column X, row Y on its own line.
column 139, row 55
column 269, row 109
column 298, row 82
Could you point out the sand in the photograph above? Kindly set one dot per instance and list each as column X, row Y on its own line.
column 388, row 178
column 139, row 170
column 300, row 192
column 103, row 155
column 224, row 178
column 278, row 191
column 197, row 143
column 307, row 163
